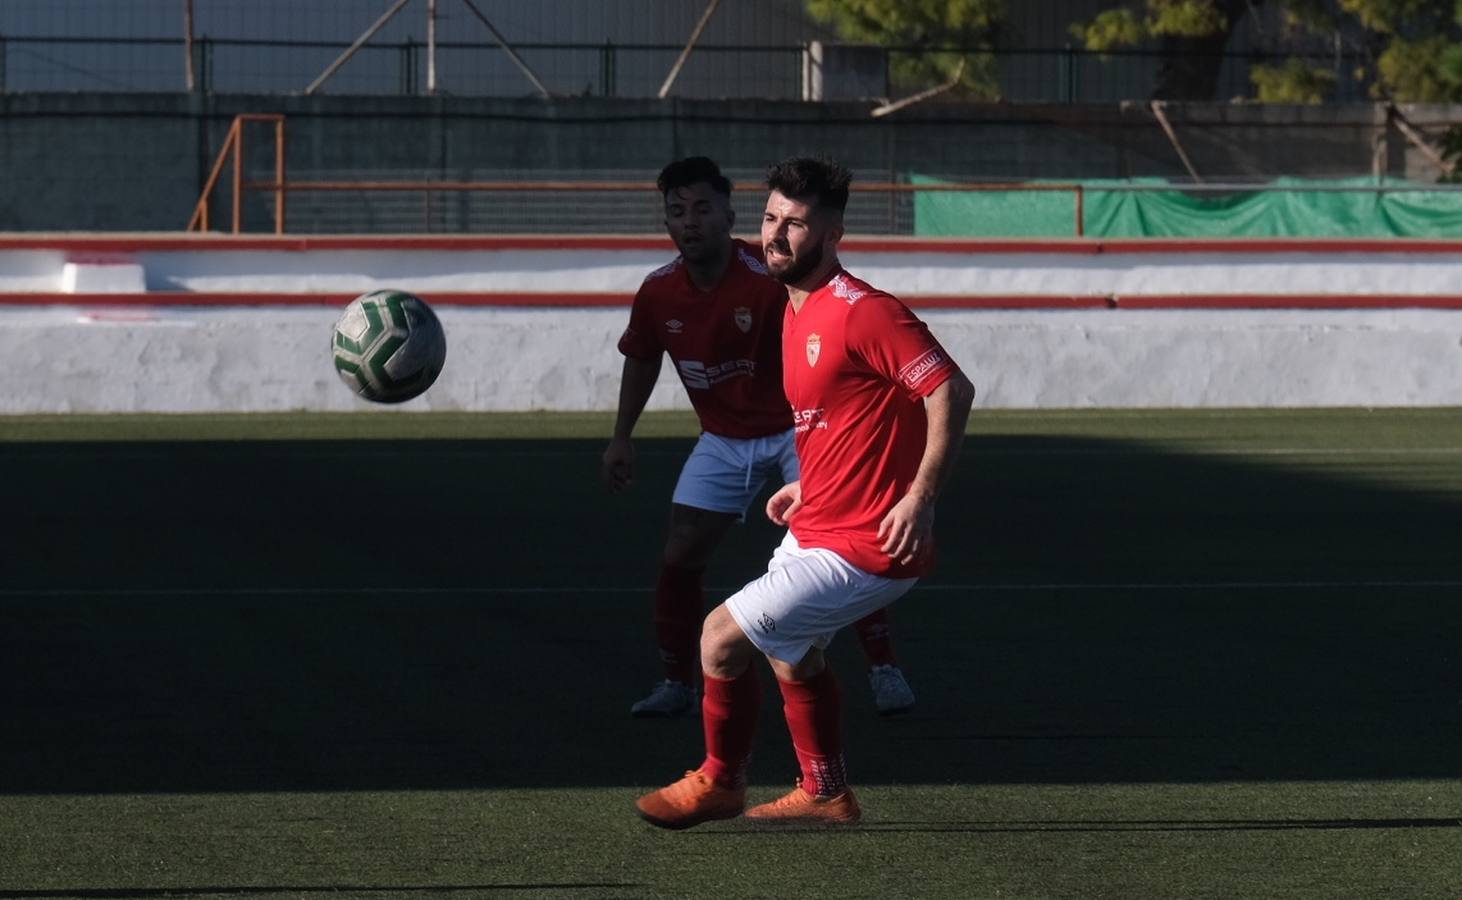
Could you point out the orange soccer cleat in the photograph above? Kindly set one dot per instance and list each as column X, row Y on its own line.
column 694, row 799
column 801, row 808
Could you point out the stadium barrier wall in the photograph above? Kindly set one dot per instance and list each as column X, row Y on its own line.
column 57, row 145
column 532, row 323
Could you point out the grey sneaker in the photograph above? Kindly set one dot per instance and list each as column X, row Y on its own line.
column 668, row 700
column 891, row 693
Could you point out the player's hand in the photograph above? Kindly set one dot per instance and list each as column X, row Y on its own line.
column 908, row 529
column 619, row 464
column 784, row 504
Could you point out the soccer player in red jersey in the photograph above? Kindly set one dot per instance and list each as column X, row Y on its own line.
column 718, row 314
column 879, row 411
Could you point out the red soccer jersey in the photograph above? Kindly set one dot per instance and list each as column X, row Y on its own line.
column 857, row 365
column 725, row 343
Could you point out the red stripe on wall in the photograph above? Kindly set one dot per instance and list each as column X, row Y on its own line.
column 174, row 243
column 1290, row 301
column 572, row 300
column 166, row 299
column 1013, row 301
column 253, row 244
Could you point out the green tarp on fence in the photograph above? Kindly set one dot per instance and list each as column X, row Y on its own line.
column 1288, row 207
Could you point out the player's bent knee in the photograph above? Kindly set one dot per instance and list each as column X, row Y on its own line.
column 685, row 554
column 805, row 669
column 725, row 650
column 694, row 534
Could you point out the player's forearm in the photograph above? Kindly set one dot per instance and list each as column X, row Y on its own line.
column 948, row 411
column 635, row 386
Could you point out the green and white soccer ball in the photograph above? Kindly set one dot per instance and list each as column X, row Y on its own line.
column 389, row 346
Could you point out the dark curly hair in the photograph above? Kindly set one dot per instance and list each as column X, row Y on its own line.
column 693, row 170
column 802, row 177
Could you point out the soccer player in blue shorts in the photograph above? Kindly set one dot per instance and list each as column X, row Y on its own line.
column 718, row 314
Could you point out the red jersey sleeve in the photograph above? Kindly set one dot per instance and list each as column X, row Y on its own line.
column 639, row 340
column 897, row 345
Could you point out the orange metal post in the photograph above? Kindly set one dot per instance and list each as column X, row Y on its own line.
column 233, row 143
column 199, row 221
column 279, row 192
column 238, row 175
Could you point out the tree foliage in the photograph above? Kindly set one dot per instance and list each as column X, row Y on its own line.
column 1409, row 50
column 1404, row 50
column 1293, row 81
column 921, row 34
column 1124, row 26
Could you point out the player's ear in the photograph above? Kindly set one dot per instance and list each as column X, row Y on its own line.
column 730, row 216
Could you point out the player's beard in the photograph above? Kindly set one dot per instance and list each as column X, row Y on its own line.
column 798, row 268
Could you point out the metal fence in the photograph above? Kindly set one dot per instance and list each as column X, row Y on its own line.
column 777, row 72
column 529, row 211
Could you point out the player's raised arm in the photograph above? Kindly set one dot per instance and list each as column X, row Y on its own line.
column 636, row 383
column 909, row 526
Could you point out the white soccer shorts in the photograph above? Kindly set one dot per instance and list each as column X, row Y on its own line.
column 805, row 597
column 725, row 474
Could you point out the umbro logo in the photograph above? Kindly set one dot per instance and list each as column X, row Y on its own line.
column 849, row 293
column 766, row 623
column 674, row 326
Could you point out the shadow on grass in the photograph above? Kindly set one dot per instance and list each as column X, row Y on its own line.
column 1163, row 825
column 299, row 890
column 1097, row 826
column 352, row 615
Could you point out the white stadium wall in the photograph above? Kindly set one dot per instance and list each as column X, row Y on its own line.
column 203, row 324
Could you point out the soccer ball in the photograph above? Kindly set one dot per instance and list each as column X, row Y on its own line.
column 388, row 346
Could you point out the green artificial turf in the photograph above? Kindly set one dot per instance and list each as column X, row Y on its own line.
column 1165, row 654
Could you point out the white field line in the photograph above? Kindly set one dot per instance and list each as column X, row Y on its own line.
column 41, row 593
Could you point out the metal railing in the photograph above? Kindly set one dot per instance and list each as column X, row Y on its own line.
column 567, row 204
column 281, row 187
column 1065, row 74
column 233, row 146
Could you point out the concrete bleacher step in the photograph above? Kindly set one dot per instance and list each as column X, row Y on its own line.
column 97, row 272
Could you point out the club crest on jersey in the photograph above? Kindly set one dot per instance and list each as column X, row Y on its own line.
column 814, row 348
column 743, row 318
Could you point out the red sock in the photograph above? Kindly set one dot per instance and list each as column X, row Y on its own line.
column 729, row 710
column 876, row 635
column 678, row 613
column 814, row 710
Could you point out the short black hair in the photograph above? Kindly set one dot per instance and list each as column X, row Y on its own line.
column 693, row 170
column 821, row 178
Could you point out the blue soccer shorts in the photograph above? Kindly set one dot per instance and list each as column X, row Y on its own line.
column 725, row 474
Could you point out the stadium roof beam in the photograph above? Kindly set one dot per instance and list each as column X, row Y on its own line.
column 1393, row 112
column 512, row 54
column 695, row 36
column 431, row 47
column 1162, row 119
column 896, row 105
column 351, row 50
column 188, row 75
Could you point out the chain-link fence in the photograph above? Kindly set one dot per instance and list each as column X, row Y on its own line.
column 626, row 48
column 100, row 161
column 529, row 211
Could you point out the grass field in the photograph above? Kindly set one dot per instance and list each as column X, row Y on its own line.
column 1208, row 654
